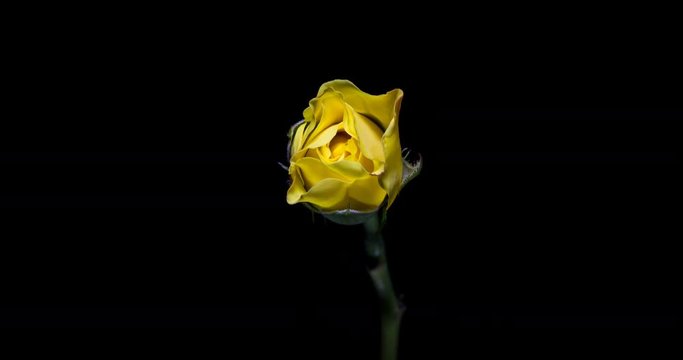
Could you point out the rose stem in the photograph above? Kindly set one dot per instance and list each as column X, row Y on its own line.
column 390, row 307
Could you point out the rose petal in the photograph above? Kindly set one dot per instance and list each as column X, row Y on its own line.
column 296, row 136
column 370, row 142
column 349, row 168
column 349, row 122
column 328, row 194
column 296, row 189
column 327, row 112
column 384, row 108
column 366, row 194
column 392, row 176
column 324, row 137
column 314, row 171
column 326, row 188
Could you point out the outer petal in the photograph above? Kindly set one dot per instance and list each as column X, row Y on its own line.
column 297, row 155
column 393, row 169
column 366, row 194
column 326, row 189
column 296, row 189
column 328, row 194
column 332, row 194
column 296, row 134
column 382, row 108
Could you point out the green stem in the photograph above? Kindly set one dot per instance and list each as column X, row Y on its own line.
column 390, row 308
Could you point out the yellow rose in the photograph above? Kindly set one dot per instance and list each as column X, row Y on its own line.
column 345, row 156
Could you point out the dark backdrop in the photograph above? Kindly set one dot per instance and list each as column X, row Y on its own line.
column 141, row 181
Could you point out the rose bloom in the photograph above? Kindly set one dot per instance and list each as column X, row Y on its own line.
column 346, row 154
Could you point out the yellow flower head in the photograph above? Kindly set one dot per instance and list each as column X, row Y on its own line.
column 346, row 154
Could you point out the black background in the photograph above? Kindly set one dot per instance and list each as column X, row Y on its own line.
column 141, row 179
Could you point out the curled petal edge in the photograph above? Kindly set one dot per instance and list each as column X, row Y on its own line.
column 290, row 135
